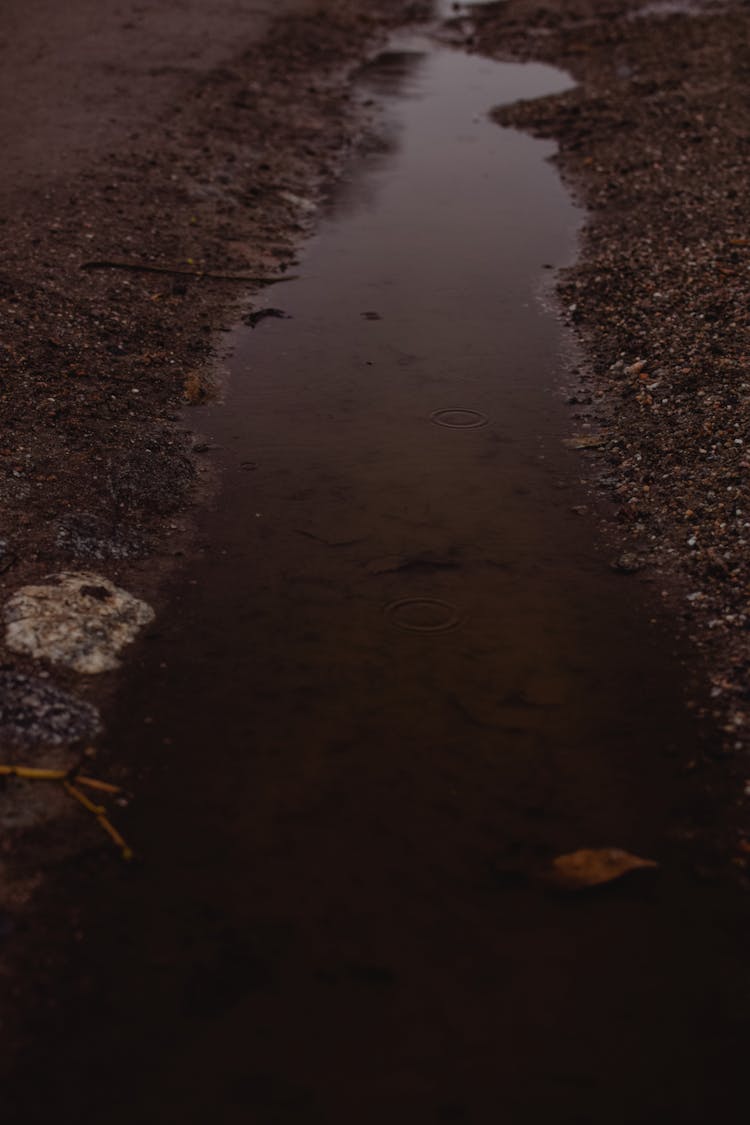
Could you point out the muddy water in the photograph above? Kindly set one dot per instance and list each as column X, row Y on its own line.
column 402, row 678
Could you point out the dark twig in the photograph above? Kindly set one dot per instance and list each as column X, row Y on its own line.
column 139, row 267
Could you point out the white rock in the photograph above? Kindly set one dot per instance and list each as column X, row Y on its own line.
column 79, row 619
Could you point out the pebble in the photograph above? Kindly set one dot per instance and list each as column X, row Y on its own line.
column 79, row 619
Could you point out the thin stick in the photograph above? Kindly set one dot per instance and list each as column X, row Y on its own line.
column 77, row 795
column 140, row 267
column 94, row 783
column 109, row 828
column 33, row 774
column 101, row 815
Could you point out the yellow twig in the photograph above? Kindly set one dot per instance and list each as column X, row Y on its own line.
column 77, row 795
column 127, row 852
column 94, row 783
column 101, row 815
column 67, row 777
column 33, row 774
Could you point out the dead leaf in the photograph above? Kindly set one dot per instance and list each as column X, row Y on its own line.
column 591, row 867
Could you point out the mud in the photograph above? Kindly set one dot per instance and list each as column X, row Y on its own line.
column 431, row 684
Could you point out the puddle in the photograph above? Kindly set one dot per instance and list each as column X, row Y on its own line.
column 400, row 679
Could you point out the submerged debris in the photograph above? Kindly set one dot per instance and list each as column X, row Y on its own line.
column 253, row 319
column 80, row 620
column 425, row 561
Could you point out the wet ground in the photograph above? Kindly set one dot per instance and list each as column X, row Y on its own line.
column 401, row 679
column 653, row 140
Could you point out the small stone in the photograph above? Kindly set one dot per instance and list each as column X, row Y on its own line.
column 79, row 620
column 627, row 563
column 586, row 441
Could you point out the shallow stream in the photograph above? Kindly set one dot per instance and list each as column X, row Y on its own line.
column 401, row 679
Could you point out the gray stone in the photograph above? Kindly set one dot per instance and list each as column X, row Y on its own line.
column 34, row 713
column 79, row 619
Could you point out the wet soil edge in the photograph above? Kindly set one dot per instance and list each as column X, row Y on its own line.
column 655, row 143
